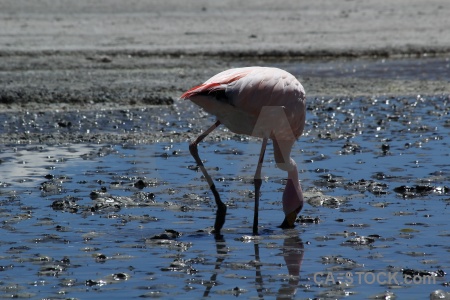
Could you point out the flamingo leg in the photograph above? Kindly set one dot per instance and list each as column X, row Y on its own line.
column 258, row 182
column 221, row 207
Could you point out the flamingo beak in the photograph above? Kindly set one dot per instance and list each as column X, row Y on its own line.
column 289, row 219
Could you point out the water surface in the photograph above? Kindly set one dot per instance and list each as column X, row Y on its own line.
column 91, row 220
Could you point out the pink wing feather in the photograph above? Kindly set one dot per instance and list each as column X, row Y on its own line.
column 214, row 83
column 200, row 89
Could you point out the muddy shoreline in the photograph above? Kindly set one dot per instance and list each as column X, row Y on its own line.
column 59, row 57
column 78, row 80
column 55, row 87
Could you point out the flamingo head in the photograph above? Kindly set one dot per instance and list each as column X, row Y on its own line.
column 292, row 202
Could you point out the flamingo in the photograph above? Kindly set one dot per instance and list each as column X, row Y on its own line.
column 263, row 102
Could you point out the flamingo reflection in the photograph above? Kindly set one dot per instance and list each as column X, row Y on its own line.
column 292, row 252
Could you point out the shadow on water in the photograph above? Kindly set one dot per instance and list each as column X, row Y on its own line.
column 135, row 221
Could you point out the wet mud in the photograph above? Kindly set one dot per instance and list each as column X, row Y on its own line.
column 120, row 80
column 111, row 203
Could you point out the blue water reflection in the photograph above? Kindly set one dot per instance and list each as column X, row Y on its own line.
column 388, row 170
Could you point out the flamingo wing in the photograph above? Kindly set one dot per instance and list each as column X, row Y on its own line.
column 216, row 83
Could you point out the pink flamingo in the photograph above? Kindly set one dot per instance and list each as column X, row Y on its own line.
column 261, row 102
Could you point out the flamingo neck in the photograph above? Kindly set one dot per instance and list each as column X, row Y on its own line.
column 293, row 194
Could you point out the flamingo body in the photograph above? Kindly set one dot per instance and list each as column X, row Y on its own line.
column 262, row 102
column 236, row 97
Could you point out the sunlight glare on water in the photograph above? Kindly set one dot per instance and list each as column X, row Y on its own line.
column 131, row 221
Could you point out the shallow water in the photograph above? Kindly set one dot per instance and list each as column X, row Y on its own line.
column 89, row 221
